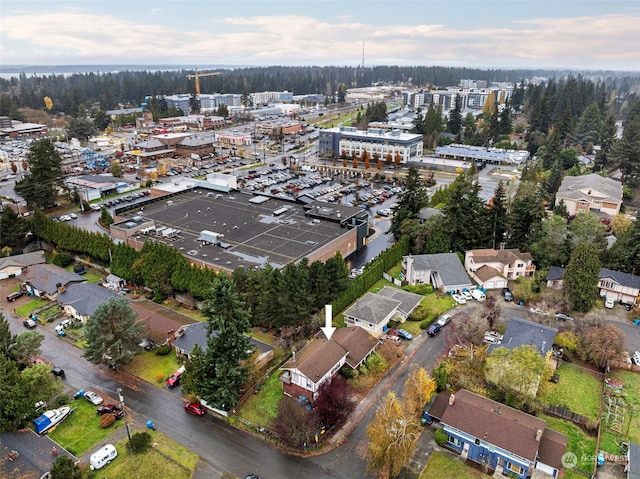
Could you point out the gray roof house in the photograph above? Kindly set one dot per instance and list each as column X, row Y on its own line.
column 373, row 312
column 619, row 286
column 80, row 300
column 590, row 193
column 46, row 280
column 555, row 277
column 187, row 336
column 520, row 331
column 34, row 457
column 16, row 265
column 408, row 301
column 443, row 271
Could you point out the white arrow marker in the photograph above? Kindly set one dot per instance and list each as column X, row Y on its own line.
column 328, row 328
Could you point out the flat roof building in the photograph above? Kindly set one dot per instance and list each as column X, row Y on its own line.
column 334, row 142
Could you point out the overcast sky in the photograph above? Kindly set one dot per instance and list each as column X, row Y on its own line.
column 577, row 34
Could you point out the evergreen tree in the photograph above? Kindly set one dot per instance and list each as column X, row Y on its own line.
column 227, row 346
column 589, row 126
column 624, row 255
column 12, row 228
column 112, row 334
column 454, row 123
column 40, row 187
column 194, row 373
column 525, row 215
column 581, row 277
column 498, row 214
column 410, row 202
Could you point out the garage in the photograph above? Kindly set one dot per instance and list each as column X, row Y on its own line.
column 495, row 284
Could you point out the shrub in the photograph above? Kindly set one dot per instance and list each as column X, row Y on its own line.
column 62, row 259
column 163, row 350
column 61, row 400
column 440, row 437
column 107, row 420
column 159, row 378
column 422, row 289
column 140, row 442
column 347, row 372
column 376, row 362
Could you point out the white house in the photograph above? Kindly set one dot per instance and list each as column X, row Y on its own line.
column 492, row 269
column 590, row 193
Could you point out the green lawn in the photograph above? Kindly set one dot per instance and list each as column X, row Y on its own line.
column 81, row 430
column 261, row 408
column 445, row 465
column 578, row 443
column 167, row 459
column 26, row 308
column 578, row 389
column 90, row 276
column 153, row 368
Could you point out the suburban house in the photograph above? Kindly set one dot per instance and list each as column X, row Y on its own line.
column 555, row 277
column 315, row 364
column 442, row 270
column 408, row 301
column 373, row 312
column 521, row 332
column 16, row 265
column 187, row 336
column 633, row 461
column 492, row 269
column 503, row 439
column 80, row 300
column 48, row 280
column 27, row 455
column 621, row 287
column 590, row 193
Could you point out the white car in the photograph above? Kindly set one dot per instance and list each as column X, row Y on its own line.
column 444, row 319
column 73, row 216
column 609, row 303
column 466, row 295
column 93, row 398
column 458, row 298
column 536, row 311
column 636, row 358
column 492, row 337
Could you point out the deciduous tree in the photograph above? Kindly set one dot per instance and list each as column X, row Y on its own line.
column 392, row 436
column 601, row 343
column 65, row 468
column 335, row 401
column 294, row 424
column 418, row 389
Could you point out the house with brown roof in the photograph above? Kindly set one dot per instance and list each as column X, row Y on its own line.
column 11, row 266
column 492, row 269
column 316, row 363
column 503, row 439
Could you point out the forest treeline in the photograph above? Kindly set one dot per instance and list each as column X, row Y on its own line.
column 111, row 89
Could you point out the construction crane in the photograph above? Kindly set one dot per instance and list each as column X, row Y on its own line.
column 197, row 76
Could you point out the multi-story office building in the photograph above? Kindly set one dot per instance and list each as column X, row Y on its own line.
column 208, row 102
column 333, row 142
column 268, row 97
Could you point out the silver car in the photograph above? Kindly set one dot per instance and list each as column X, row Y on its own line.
column 93, row 398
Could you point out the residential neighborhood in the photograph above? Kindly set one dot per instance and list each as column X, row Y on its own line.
column 290, row 270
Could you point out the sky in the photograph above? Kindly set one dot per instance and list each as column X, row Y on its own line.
column 574, row 34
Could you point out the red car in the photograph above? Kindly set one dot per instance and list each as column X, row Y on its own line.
column 195, row 408
column 110, row 409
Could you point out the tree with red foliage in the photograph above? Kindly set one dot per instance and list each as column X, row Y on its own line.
column 335, row 401
column 601, row 343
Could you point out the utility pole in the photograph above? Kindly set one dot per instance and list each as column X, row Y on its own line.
column 126, row 419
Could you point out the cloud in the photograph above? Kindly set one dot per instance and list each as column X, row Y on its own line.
column 605, row 41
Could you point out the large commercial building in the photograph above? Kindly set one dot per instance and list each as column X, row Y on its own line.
column 208, row 102
column 334, row 142
column 220, row 228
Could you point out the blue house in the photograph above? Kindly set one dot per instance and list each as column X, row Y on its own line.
column 502, row 438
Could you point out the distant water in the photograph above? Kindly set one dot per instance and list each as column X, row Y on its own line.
column 13, row 71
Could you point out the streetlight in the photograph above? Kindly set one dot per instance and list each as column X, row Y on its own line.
column 126, row 420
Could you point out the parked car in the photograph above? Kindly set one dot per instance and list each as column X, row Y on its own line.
column 507, row 294
column 404, row 334
column 459, row 298
column 15, row 295
column 174, row 379
column 110, row 409
column 434, row 329
column 195, row 408
column 609, row 303
column 62, row 325
column 536, row 311
column 93, row 398
column 444, row 320
column 29, row 323
column 636, row 358
column 493, row 337
column 563, row 317
column 57, row 372
column 466, row 295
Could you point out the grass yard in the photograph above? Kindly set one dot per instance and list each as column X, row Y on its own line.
column 81, row 430
column 578, row 443
column 261, row 408
column 578, row 389
column 444, row 465
column 611, row 441
column 26, row 308
column 153, row 368
column 167, row 459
